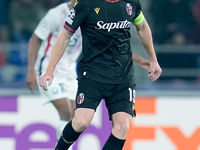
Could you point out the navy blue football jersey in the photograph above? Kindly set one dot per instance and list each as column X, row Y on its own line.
column 105, row 26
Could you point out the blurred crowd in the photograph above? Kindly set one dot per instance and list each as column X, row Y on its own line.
column 171, row 21
column 18, row 18
column 176, row 21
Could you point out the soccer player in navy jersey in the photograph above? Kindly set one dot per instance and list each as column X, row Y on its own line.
column 106, row 66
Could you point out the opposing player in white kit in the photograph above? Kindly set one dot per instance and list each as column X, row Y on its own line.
column 62, row 92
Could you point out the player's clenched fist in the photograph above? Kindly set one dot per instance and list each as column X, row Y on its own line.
column 44, row 79
column 155, row 71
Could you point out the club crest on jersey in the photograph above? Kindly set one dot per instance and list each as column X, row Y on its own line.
column 80, row 98
column 129, row 9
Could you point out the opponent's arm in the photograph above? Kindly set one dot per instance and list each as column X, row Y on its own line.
column 145, row 36
column 144, row 63
column 58, row 50
column 33, row 46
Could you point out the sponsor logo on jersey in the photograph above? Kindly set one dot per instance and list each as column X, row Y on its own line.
column 129, row 9
column 75, row 3
column 80, row 98
column 112, row 25
column 71, row 16
column 97, row 10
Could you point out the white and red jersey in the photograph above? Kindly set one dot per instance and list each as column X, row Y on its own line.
column 48, row 30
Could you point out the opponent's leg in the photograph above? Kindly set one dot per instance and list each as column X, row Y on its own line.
column 65, row 109
column 74, row 128
column 121, row 122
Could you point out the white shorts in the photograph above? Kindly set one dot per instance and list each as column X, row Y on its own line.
column 60, row 88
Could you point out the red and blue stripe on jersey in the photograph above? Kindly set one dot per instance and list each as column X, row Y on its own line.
column 46, row 50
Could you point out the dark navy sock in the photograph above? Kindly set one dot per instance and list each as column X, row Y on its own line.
column 113, row 143
column 67, row 138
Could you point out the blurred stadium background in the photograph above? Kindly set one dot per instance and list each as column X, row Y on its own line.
column 167, row 109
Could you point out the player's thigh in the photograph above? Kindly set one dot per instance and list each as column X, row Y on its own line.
column 73, row 104
column 63, row 105
column 121, row 119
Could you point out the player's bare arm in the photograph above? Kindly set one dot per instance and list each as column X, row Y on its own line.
column 33, row 46
column 58, row 50
column 145, row 36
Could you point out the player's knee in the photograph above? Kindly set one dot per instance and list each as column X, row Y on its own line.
column 121, row 128
column 81, row 124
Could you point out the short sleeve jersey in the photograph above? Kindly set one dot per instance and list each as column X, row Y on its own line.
column 48, row 30
column 105, row 27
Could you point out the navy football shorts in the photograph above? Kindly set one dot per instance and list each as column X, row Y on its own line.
column 118, row 97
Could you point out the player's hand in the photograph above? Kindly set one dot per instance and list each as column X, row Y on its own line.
column 155, row 71
column 31, row 81
column 44, row 78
